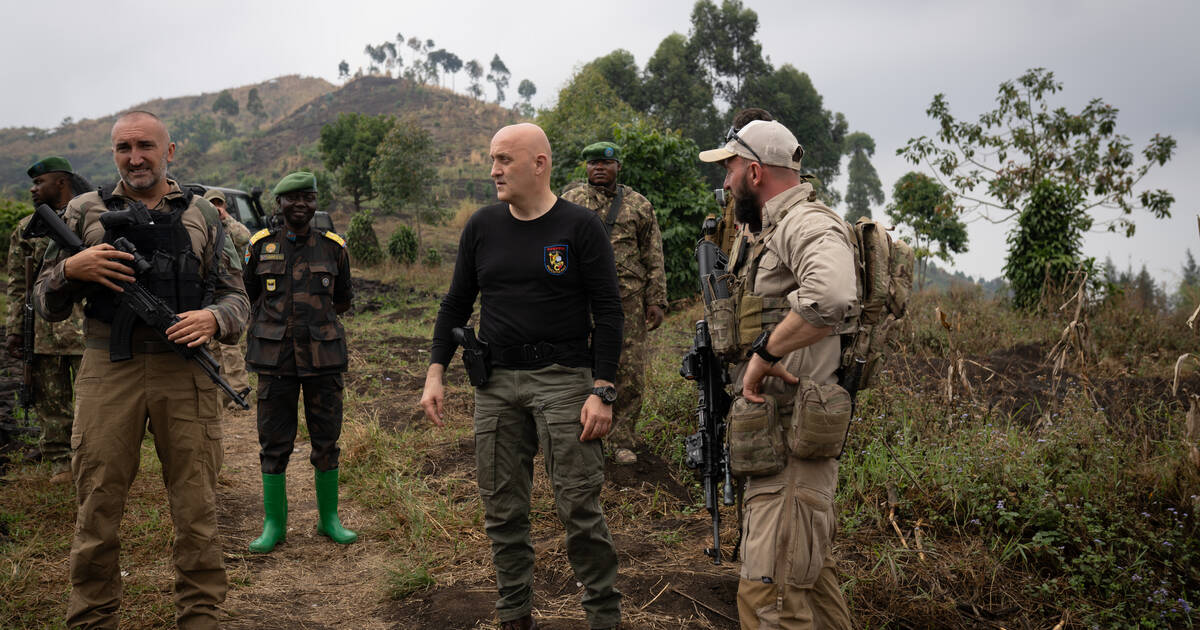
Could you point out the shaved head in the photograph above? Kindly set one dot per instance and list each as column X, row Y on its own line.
column 148, row 119
column 142, row 149
column 521, row 167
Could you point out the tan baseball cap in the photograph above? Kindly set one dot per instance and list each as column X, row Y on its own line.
column 213, row 193
column 765, row 141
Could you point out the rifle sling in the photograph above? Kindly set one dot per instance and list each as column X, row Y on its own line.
column 613, row 211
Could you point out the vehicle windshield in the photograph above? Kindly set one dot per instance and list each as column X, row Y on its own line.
column 239, row 206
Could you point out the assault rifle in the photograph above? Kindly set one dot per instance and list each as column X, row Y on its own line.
column 26, row 399
column 149, row 308
column 706, row 450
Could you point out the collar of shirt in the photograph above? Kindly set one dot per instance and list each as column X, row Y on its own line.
column 174, row 191
column 773, row 210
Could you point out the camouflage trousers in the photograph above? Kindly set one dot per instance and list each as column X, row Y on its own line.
column 788, row 578
column 54, row 403
column 517, row 412
column 278, row 400
column 631, row 377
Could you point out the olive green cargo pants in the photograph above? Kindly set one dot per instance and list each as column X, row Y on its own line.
column 53, row 376
column 788, row 579
column 515, row 413
column 114, row 405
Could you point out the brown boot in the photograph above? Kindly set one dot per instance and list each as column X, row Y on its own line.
column 524, row 623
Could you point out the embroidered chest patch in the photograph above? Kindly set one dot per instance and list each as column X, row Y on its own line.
column 270, row 247
column 270, row 284
column 555, row 259
column 269, row 257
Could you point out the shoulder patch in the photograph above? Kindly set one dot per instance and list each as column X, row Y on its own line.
column 335, row 238
column 259, row 235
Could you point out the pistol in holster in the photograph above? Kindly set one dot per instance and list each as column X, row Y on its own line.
column 475, row 355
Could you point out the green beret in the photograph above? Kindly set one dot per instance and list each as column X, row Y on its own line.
column 49, row 165
column 300, row 181
column 601, row 151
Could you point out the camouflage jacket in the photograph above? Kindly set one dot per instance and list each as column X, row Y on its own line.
column 636, row 241
column 294, row 290
column 237, row 233
column 55, row 296
column 57, row 338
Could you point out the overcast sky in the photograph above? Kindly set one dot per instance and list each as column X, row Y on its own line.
column 879, row 63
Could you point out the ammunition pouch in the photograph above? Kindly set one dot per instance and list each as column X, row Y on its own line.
column 735, row 322
column 756, row 446
column 820, row 421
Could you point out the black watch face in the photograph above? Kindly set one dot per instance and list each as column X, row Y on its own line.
column 606, row 394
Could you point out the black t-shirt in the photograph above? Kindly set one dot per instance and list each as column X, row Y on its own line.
column 544, row 280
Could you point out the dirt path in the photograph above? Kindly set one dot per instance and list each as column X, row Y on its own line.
column 308, row 581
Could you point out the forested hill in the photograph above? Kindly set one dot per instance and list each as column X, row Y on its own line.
column 244, row 140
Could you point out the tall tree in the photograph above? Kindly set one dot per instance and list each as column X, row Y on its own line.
column 343, row 70
column 475, row 72
column 498, row 77
column 404, row 174
column 791, row 98
column 526, row 90
column 863, row 188
column 1025, row 151
column 722, row 39
column 621, row 72
column 225, row 104
column 924, row 205
column 586, row 111
column 677, row 93
column 451, row 64
column 254, row 104
column 347, row 147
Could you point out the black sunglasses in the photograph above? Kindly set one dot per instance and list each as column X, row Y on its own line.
column 732, row 135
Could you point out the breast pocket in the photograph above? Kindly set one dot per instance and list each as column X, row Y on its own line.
column 321, row 278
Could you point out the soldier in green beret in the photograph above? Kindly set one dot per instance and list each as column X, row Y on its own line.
column 57, row 347
column 298, row 282
column 637, row 246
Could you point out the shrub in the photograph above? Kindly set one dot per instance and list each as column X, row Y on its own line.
column 11, row 211
column 433, row 258
column 402, row 246
column 361, row 239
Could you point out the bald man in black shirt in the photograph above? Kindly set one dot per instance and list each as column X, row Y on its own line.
column 551, row 314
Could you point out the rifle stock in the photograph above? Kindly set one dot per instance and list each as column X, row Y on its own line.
column 149, row 308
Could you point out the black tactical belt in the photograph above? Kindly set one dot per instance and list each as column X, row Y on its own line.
column 540, row 352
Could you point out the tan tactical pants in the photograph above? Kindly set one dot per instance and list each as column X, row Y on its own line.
column 232, row 358
column 114, row 404
column 788, row 581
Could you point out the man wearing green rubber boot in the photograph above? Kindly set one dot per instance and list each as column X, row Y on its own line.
column 298, row 281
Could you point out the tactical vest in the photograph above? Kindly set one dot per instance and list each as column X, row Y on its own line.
column 175, row 275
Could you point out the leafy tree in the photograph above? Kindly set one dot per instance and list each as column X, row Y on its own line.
column 924, row 205
column 677, row 92
column 361, row 241
column 1190, row 272
column 864, row 188
column 451, row 64
column 1047, row 243
column 404, row 174
column 791, row 98
column 526, row 89
column 377, row 54
column 402, row 247
column 1023, row 142
column 199, row 132
column 225, row 104
column 621, row 72
column 1023, row 149
column 11, row 211
column 347, row 147
column 254, row 104
column 325, row 196
column 722, row 39
column 475, row 72
column 662, row 165
column 343, row 70
column 498, row 77
column 586, row 112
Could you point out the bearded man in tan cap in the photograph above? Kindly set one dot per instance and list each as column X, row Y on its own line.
column 801, row 269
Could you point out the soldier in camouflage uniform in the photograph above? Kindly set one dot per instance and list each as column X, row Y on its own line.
column 116, row 401
column 231, row 356
column 57, row 347
column 298, row 281
column 637, row 247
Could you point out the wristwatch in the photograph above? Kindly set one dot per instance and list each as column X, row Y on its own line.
column 759, row 347
column 607, row 394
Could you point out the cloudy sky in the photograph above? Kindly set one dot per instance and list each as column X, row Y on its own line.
column 878, row 62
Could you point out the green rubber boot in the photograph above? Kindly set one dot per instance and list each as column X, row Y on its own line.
column 327, row 504
column 274, row 514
